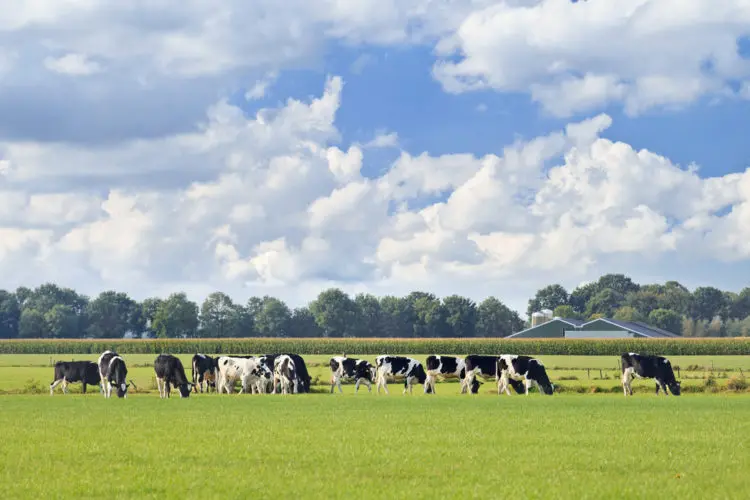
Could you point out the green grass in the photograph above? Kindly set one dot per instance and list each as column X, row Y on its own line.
column 324, row 446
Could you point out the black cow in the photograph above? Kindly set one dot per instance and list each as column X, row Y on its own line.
column 203, row 372
column 113, row 372
column 169, row 371
column 409, row 369
column 511, row 367
column 486, row 367
column 648, row 366
column 445, row 367
column 303, row 377
column 351, row 369
column 75, row 371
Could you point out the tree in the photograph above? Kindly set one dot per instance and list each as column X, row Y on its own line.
column 272, row 320
column 149, row 307
column 218, row 315
column 112, row 315
column 666, row 319
column 461, row 315
column 548, row 297
column 676, row 297
column 566, row 311
column 617, row 282
column 10, row 315
column 580, row 297
column 707, row 302
column 176, row 317
column 627, row 313
column 644, row 300
column 369, row 313
column 62, row 322
column 302, row 324
column 334, row 312
column 32, row 325
column 741, row 305
column 495, row 319
column 429, row 315
column 397, row 317
column 605, row 302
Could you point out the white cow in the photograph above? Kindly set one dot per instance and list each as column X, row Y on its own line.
column 248, row 370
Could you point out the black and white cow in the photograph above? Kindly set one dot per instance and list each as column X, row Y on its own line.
column 203, row 372
column 169, row 371
column 113, row 372
column 522, row 368
column 445, row 367
column 398, row 367
column 648, row 366
column 285, row 374
column 66, row 372
column 359, row 370
column 249, row 370
column 485, row 367
column 303, row 377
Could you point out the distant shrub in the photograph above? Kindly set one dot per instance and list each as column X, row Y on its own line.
column 737, row 384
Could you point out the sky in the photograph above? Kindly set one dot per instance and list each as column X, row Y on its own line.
column 475, row 147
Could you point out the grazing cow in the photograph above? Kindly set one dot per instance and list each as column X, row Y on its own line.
column 75, row 371
column 485, row 367
column 647, row 366
column 351, row 369
column 445, row 367
column 285, row 374
column 112, row 371
column 303, row 377
column 203, row 372
column 248, row 370
column 169, row 371
column 522, row 368
column 397, row 367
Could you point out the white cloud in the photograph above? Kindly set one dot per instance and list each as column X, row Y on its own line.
column 72, row 64
column 258, row 91
column 286, row 212
column 383, row 140
column 577, row 57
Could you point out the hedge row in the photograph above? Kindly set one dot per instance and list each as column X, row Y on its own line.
column 352, row 346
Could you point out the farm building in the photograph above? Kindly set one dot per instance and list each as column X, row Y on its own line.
column 598, row 328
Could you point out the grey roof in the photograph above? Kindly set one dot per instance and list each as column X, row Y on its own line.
column 638, row 327
column 571, row 321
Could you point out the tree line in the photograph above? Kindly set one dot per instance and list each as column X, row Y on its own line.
column 51, row 311
column 704, row 312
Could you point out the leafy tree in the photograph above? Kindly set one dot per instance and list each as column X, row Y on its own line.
column 370, row 314
column 32, row 325
column 605, row 302
column 10, row 315
column 22, row 294
column 548, row 297
column 666, row 319
column 218, row 316
column 707, row 303
column 627, row 313
column 461, row 315
column 176, row 317
column 334, row 312
column 62, row 322
column 566, row 311
column 430, row 315
column 302, row 324
column 644, row 300
column 397, row 317
column 112, row 315
column 148, row 311
column 272, row 320
column 617, row 282
column 676, row 297
column 580, row 297
column 495, row 319
column 741, row 305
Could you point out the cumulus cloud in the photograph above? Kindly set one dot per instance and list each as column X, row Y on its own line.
column 281, row 208
column 72, row 64
column 578, row 57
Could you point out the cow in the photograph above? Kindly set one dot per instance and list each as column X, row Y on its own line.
column 351, row 369
column 303, row 377
column 66, row 372
column 203, row 372
column 648, row 366
column 522, row 368
column 445, row 367
column 486, row 367
column 285, row 374
column 113, row 373
column 409, row 369
column 250, row 371
column 169, row 371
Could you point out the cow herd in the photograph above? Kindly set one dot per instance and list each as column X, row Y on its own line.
column 287, row 373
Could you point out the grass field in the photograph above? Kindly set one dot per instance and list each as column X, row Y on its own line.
column 322, row 446
column 29, row 373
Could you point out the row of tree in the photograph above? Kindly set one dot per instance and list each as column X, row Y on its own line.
column 706, row 311
column 50, row 311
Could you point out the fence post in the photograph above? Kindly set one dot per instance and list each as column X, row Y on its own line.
column 678, row 372
column 588, row 372
column 601, row 377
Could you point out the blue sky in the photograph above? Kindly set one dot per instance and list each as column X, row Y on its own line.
column 380, row 147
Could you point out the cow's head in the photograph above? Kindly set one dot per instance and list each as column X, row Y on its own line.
column 674, row 387
column 185, row 389
column 122, row 389
column 475, row 386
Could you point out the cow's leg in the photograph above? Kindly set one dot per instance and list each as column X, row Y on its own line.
column 356, row 385
column 469, row 380
column 626, row 380
column 53, row 385
column 84, row 388
column 526, row 385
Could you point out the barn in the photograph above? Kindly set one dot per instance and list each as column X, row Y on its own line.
column 600, row 328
